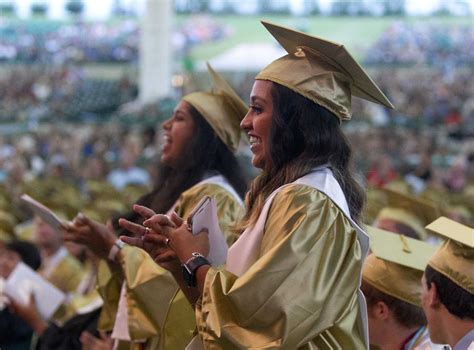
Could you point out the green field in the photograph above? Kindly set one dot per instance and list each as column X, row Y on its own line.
column 357, row 33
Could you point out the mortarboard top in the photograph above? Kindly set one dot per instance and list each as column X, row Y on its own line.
column 222, row 108
column 320, row 70
column 396, row 264
column 409, row 210
column 455, row 258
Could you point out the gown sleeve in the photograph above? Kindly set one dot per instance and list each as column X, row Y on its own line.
column 304, row 282
column 155, row 306
column 109, row 282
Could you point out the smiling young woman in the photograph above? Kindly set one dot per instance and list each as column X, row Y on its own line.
column 141, row 303
column 291, row 280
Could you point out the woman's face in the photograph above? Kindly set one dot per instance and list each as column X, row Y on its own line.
column 257, row 122
column 178, row 131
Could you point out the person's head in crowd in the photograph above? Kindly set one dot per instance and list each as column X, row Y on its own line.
column 391, row 284
column 295, row 116
column 128, row 157
column 406, row 214
column 94, row 168
column 7, row 226
column 46, row 237
column 18, row 251
column 200, row 139
column 448, row 285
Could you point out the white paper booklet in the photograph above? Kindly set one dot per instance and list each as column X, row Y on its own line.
column 24, row 281
column 204, row 217
column 42, row 211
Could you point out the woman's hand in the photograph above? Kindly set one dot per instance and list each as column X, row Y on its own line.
column 151, row 246
column 8, row 262
column 96, row 236
column 90, row 342
column 29, row 313
column 181, row 240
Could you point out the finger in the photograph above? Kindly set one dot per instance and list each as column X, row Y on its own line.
column 132, row 227
column 80, row 219
column 103, row 335
column 167, row 256
column 86, row 338
column 176, row 219
column 158, row 221
column 135, row 241
column 70, row 237
column 65, row 225
column 156, row 239
column 144, row 212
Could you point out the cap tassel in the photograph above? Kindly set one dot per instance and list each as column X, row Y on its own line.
column 405, row 248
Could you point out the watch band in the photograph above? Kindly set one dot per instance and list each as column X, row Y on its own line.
column 190, row 267
column 118, row 245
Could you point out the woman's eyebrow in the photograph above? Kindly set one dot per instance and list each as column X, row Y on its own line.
column 255, row 98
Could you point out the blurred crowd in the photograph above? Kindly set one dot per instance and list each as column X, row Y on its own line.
column 405, row 43
column 63, row 92
column 85, row 157
column 118, row 41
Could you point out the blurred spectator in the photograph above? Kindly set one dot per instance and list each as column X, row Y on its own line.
column 128, row 173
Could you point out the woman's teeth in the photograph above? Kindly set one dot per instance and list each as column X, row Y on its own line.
column 255, row 140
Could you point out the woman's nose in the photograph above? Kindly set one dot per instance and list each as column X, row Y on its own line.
column 167, row 124
column 246, row 123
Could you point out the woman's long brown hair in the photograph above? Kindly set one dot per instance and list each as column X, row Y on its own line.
column 205, row 154
column 303, row 135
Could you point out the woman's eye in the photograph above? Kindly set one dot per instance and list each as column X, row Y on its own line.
column 256, row 109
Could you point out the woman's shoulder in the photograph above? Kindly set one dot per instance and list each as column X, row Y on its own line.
column 305, row 198
column 191, row 197
column 207, row 189
column 300, row 191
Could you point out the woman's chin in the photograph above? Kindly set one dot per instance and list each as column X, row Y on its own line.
column 258, row 162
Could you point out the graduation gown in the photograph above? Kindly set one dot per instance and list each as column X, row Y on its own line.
column 63, row 270
column 292, row 281
column 152, row 317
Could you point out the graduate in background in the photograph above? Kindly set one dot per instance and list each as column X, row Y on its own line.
column 292, row 279
column 391, row 284
column 448, row 286
column 406, row 214
column 58, row 266
column 197, row 159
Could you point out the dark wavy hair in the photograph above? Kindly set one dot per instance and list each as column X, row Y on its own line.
column 458, row 301
column 204, row 154
column 303, row 135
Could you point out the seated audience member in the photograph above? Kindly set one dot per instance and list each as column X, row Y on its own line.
column 391, row 284
column 406, row 214
column 448, row 286
column 58, row 266
column 16, row 333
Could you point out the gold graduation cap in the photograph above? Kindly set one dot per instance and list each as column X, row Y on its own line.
column 409, row 210
column 320, row 70
column 455, row 258
column 222, row 108
column 397, row 264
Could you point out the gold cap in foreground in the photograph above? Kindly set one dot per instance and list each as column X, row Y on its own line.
column 320, row 70
column 222, row 108
column 396, row 265
column 455, row 258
